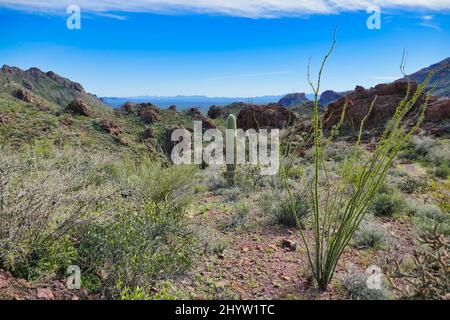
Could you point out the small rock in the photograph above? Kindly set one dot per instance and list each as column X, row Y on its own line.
column 289, row 244
column 45, row 293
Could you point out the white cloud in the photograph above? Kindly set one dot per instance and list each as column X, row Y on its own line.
column 428, row 22
column 240, row 8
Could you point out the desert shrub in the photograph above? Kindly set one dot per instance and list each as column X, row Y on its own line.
column 232, row 194
column 370, row 235
column 239, row 219
column 214, row 180
column 141, row 244
column 439, row 154
column 41, row 201
column 442, row 171
column 356, row 287
column 284, row 209
column 338, row 151
column 386, row 204
column 428, row 216
column 211, row 239
column 413, row 184
column 429, row 277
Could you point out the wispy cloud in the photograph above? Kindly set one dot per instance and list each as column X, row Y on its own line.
column 240, row 8
column 429, row 22
column 251, row 75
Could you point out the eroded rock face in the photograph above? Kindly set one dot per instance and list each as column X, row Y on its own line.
column 265, row 117
column 358, row 104
column 78, row 107
column 214, row 112
column 24, row 95
column 111, row 127
column 438, row 110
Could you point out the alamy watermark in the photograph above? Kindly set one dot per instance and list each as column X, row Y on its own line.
column 73, row 22
column 374, row 20
column 241, row 147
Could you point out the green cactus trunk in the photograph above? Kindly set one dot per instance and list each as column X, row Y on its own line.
column 231, row 168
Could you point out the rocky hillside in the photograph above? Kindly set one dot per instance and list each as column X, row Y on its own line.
column 40, row 110
column 36, row 86
column 440, row 83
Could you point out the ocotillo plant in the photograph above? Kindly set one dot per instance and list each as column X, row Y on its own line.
column 231, row 167
column 340, row 204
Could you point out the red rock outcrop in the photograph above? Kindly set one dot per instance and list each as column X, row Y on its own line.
column 197, row 115
column 78, row 107
column 265, row 117
column 438, row 110
column 111, row 127
column 24, row 95
column 358, row 104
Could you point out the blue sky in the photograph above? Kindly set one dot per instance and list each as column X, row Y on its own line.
column 220, row 52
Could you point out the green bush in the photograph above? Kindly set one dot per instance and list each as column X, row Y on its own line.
column 239, row 219
column 428, row 216
column 41, row 202
column 370, row 235
column 285, row 210
column 386, row 204
column 356, row 287
column 443, row 171
column 232, row 194
column 413, row 184
column 140, row 245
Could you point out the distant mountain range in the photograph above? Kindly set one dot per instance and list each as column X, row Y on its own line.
column 185, row 102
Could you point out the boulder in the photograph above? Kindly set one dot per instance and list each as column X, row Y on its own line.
column 149, row 116
column 78, row 107
column 265, row 117
column 111, row 127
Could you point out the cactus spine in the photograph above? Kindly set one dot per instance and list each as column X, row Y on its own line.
column 231, row 167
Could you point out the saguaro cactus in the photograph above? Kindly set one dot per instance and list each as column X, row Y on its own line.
column 231, row 154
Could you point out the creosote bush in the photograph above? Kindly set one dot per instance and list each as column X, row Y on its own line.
column 386, row 204
column 122, row 221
